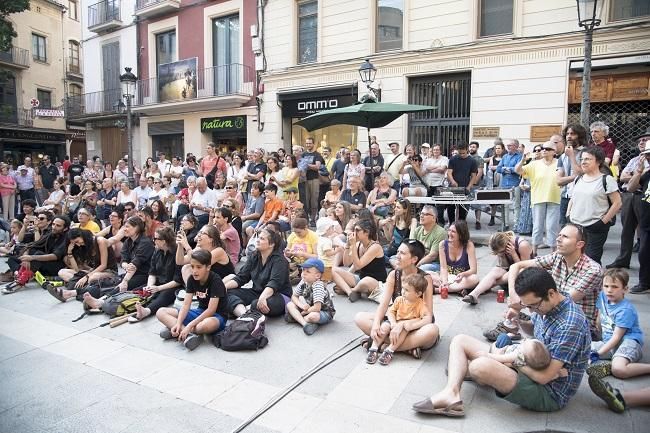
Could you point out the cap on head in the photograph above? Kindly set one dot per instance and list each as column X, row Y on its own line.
column 314, row 263
column 427, row 145
column 323, row 225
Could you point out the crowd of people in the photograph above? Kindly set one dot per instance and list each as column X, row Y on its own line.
column 279, row 233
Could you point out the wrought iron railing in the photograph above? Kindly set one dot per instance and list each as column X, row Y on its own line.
column 21, row 117
column 182, row 83
column 95, row 103
column 141, row 4
column 103, row 12
column 15, row 56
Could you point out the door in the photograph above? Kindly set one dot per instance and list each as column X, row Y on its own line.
column 225, row 53
column 114, row 144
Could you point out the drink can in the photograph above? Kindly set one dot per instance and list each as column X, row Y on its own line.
column 444, row 292
column 501, row 296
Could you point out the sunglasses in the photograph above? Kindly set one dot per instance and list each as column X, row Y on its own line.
column 229, row 187
column 227, row 206
column 42, row 218
column 537, row 150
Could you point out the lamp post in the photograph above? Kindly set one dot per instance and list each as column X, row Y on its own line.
column 367, row 72
column 128, row 80
column 589, row 18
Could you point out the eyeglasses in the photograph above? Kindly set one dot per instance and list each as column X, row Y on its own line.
column 537, row 150
column 534, row 306
column 229, row 187
column 425, row 214
column 227, row 206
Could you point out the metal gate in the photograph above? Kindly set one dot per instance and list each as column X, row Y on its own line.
column 448, row 123
column 626, row 120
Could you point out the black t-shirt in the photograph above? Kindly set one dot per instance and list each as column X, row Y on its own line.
column 644, row 223
column 213, row 288
column 462, row 169
column 356, row 199
column 75, row 170
column 311, row 158
column 254, row 168
column 48, row 175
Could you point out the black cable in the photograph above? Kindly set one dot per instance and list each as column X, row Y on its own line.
column 280, row 395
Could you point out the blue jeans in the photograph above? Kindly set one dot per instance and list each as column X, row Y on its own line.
column 546, row 216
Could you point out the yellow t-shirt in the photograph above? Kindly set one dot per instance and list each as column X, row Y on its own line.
column 543, row 182
column 92, row 226
column 308, row 244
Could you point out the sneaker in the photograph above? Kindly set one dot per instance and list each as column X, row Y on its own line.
column 10, row 288
column 310, row 328
column 166, row 334
column 609, row 395
column 372, row 356
column 617, row 265
column 500, row 328
column 638, row 289
column 600, row 369
column 192, row 341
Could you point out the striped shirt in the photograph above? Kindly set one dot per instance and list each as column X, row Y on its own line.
column 565, row 333
column 585, row 276
column 315, row 293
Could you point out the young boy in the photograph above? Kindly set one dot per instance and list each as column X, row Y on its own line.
column 622, row 335
column 530, row 352
column 188, row 324
column 291, row 204
column 310, row 304
column 326, row 248
column 407, row 312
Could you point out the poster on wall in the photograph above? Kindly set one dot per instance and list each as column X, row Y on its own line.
column 177, row 80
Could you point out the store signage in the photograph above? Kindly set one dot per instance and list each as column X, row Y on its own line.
column 44, row 112
column 542, row 133
column 224, row 124
column 305, row 106
column 486, row 132
column 29, row 135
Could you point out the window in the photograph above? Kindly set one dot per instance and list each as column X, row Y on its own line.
column 307, row 31
column 225, row 54
column 496, row 17
column 166, row 47
column 390, row 24
column 44, row 97
column 39, row 48
column 73, row 63
column 628, row 9
column 74, row 91
column 72, row 10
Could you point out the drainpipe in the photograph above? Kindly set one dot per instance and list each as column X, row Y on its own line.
column 261, row 4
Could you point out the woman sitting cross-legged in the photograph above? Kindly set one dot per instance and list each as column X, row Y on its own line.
column 84, row 254
column 509, row 249
column 209, row 239
column 162, row 275
column 457, row 260
column 188, row 325
column 366, row 257
column 269, row 270
column 409, row 253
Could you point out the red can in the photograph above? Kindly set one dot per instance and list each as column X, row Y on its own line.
column 501, row 296
column 444, row 292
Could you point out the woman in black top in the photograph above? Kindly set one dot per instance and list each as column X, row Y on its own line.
column 159, row 211
column 116, row 220
column 188, row 324
column 366, row 257
column 409, row 253
column 269, row 270
column 137, row 250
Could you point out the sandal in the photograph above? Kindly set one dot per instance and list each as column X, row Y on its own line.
column 366, row 343
column 416, row 353
column 372, row 356
column 57, row 292
column 386, row 357
column 471, row 300
column 493, row 334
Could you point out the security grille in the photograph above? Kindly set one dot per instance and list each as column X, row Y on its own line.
column 626, row 120
column 448, row 123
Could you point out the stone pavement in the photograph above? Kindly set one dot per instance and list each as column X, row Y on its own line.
column 59, row 376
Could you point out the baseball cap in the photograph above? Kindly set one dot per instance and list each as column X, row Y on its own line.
column 291, row 189
column 425, row 145
column 314, row 263
column 323, row 224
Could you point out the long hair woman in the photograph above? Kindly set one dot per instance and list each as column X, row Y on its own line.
column 208, row 238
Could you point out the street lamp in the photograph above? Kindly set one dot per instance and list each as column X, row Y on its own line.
column 589, row 18
column 128, row 81
column 367, row 72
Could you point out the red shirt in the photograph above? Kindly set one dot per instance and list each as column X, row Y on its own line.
column 207, row 165
column 66, row 165
column 608, row 147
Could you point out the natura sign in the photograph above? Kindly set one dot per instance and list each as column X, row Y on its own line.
column 223, row 124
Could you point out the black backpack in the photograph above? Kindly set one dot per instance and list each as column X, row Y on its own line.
column 244, row 333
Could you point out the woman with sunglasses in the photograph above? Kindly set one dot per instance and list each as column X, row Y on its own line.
column 86, row 221
column 158, row 193
column 365, row 256
column 397, row 227
column 524, row 225
column 409, row 253
column 208, row 238
column 232, row 193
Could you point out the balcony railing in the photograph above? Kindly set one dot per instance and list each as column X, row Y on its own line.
column 21, row 117
column 94, row 104
column 104, row 15
column 185, row 85
column 151, row 8
column 15, row 57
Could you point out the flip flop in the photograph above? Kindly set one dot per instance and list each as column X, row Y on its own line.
column 133, row 319
column 416, row 353
column 453, row 410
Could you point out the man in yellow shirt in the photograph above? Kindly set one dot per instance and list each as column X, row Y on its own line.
column 544, row 195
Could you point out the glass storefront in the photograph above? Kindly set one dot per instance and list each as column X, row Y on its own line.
column 334, row 137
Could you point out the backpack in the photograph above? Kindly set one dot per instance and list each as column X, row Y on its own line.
column 609, row 201
column 121, row 304
column 244, row 333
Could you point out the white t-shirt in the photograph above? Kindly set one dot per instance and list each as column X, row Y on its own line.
column 206, row 199
column 435, row 179
column 589, row 200
column 164, row 166
column 175, row 170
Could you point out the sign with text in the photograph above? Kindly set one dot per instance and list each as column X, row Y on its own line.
column 486, row 132
column 542, row 133
column 308, row 103
column 224, row 124
column 45, row 112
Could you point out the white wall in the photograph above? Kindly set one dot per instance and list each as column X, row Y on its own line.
column 448, row 21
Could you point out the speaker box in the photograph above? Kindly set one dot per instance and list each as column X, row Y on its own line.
column 494, row 194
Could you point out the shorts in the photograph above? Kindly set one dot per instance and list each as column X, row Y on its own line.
column 196, row 312
column 430, row 267
column 325, row 317
column 530, row 395
column 326, row 276
column 378, row 293
column 629, row 349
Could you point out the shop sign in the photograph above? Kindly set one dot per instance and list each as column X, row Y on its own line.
column 542, row 133
column 45, row 112
column 223, row 124
column 485, row 132
column 13, row 134
column 304, row 106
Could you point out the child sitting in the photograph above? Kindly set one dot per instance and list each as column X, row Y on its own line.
column 291, row 205
column 530, row 352
column 187, row 324
column 302, row 244
column 406, row 314
column 328, row 245
column 622, row 336
column 310, row 304
column 14, row 230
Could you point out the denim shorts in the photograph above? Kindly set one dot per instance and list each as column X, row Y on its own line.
column 629, row 349
column 196, row 312
column 325, row 317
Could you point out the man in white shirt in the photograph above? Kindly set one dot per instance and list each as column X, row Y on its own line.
column 163, row 164
column 393, row 163
column 176, row 172
column 143, row 192
column 202, row 201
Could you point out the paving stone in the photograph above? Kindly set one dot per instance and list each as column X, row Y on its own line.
column 84, row 347
column 10, row 347
column 132, row 364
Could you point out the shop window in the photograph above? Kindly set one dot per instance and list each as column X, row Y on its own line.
column 496, row 17
column 390, row 24
column 165, row 47
column 39, row 48
column 334, row 137
column 44, row 98
column 307, row 31
column 629, row 9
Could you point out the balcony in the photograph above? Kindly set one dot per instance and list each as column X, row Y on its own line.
column 184, row 91
column 92, row 105
column 15, row 57
column 152, row 8
column 13, row 116
column 104, row 16
column 73, row 72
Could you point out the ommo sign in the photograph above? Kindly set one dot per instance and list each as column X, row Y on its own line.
column 323, row 104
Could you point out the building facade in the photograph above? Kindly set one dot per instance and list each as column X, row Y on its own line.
column 37, row 74
column 509, row 68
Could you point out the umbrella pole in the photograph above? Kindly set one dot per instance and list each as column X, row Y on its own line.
column 372, row 172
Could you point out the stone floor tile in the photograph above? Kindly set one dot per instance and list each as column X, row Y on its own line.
column 84, row 347
column 244, row 399
column 10, row 347
column 32, row 330
column 132, row 364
